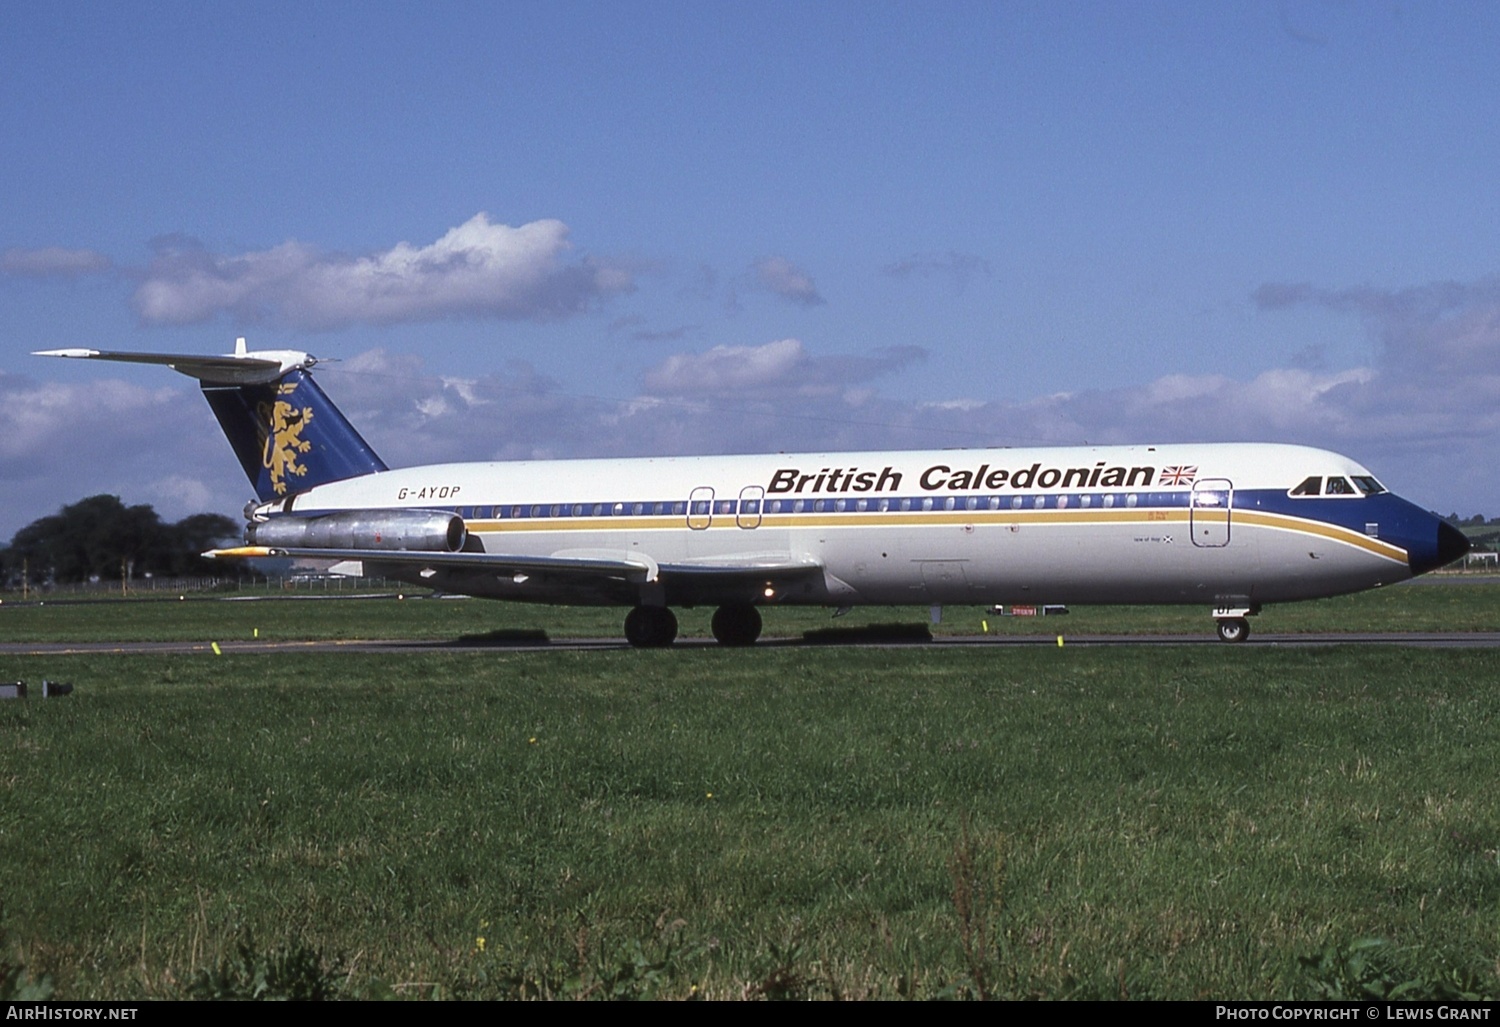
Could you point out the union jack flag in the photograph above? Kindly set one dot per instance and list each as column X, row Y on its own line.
column 1178, row 475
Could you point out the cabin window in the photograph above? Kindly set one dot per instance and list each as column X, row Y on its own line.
column 1338, row 487
column 1062, row 502
column 1131, row 500
column 1041, row 503
column 1369, row 486
column 1109, row 500
column 1085, row 501
column 1310, row 487
column 1015, row 502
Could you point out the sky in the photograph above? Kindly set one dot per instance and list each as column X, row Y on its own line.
column 534, row 230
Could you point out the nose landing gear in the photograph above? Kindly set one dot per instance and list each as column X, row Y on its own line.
column 1231, row 623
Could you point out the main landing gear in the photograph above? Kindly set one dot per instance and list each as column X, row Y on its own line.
column 650, row 627
column 737, row 624
column 654, row 627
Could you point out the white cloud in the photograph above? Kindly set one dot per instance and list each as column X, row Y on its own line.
column 781, row 367
column 727, row 368
column 780, row 276
column 478, row 269
column 52, row 262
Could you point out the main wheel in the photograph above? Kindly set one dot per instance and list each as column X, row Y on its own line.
column 650, row 627
column 1233, row 629
column 736, row 624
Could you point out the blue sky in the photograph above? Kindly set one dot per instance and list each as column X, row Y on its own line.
column 633, row 228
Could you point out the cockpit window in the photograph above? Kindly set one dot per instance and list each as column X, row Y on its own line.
column 1339, row 487
column 1369, row 486
column 1310, row 487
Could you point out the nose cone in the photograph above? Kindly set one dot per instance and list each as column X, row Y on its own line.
column 1449, row 545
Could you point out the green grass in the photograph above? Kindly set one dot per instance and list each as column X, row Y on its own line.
column 852, row 822
column 1416, row 607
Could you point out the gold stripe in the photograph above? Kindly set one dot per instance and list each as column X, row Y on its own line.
column 928, row 518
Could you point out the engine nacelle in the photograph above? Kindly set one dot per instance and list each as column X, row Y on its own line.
column 408, row 530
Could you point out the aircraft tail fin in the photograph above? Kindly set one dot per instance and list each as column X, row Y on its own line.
column 288, row 435
column 286, row 432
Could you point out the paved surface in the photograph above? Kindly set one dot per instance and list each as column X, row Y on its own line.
column 1452, row 640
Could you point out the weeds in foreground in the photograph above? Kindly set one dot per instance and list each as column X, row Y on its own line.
column 978, row 897
column 296, row 972
column 1370, row 968
column 656, row 968
column 16, row 985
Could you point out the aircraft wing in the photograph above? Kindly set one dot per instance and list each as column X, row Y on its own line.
column 578, row 562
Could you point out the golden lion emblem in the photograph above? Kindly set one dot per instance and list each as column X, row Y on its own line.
column 284, row 438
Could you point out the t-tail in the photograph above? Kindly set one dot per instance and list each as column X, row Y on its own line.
column 286, row 432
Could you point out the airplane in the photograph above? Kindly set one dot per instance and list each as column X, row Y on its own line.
column 1227, row 526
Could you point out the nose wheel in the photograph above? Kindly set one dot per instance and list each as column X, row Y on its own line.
column 1233, row 629
column 650, row 627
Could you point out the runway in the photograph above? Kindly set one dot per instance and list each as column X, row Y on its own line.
column 1430, row 640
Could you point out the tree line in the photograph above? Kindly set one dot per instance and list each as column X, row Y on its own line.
column 102, row 539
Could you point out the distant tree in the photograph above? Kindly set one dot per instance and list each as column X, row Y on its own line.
column 102, row 537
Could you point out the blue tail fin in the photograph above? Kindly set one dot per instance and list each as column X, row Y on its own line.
column 288, row 435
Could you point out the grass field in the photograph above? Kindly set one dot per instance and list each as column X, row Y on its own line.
column 853, row 822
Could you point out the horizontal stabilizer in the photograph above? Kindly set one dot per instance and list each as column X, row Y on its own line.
column 241, row 367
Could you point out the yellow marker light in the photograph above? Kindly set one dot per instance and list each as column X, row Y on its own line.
column 1059, row 641
column 217, row 651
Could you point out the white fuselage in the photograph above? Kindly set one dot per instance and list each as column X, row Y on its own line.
column 1209, row 524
